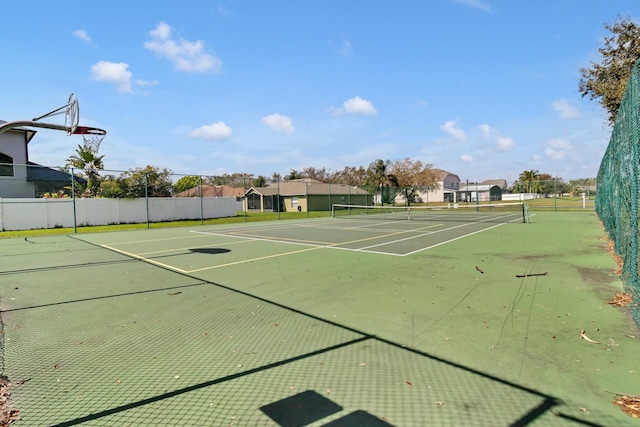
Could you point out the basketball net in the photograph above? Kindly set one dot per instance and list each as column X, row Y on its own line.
column 92, row 137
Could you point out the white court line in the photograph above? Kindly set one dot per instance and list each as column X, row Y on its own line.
column 415, row 237
column 310, row 247
column 459, row 237
column 438, row 231
column 150, row 261
column 451, row 240
column 191, row 247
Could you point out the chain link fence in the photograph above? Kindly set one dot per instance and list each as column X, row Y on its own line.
column 34, row 196
column 618, row 178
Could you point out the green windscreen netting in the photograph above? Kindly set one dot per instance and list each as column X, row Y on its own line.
column 617, row 195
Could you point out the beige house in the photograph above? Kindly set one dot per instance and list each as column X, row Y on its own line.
column 449, row 189
column 303, row 195
column 446, row 188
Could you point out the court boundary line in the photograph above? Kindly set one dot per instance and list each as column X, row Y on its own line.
column 366, row 248
column 309, row 246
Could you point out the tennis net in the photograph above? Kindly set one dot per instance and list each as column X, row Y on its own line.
column 494, row 212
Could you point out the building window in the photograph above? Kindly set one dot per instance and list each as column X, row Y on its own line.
column 6, row 165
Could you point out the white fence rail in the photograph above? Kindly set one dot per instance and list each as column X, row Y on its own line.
column 27, row 214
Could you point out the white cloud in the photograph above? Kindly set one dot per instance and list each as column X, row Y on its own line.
column 113, row 72
column 279, row 123
column 476, row 4
column 451, row 128
column 212, row 132
column 342, row 49
column 119, row 74
column 357, row 105
column 557, row 149
column 143, row 83
column 82, row 35
column 566, row 109
column 503, row 143
column 185, row 55
column 466, row 158
column 486, row 130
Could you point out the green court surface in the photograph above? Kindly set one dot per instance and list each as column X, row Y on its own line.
column 323, row 322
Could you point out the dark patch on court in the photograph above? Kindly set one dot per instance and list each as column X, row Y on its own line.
column 595, row 275
column 210, row 251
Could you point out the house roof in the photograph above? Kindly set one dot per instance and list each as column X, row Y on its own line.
column 499, row 182
column 479, row 187
column 36, row 172
column 306, row 187
column 212, row 191
column 442, row 174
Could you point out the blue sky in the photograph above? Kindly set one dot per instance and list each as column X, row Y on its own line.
column 482, row 88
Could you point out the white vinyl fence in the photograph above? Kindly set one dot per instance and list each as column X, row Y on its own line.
column 27, row 214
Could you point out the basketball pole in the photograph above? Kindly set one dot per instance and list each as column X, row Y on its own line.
column 30, row 123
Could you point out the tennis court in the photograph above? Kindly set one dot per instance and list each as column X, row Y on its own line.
column 324, row 322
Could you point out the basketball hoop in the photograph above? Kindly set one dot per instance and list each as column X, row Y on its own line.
column 92, row 137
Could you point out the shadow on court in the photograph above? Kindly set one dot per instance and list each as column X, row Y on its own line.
column 304, row 339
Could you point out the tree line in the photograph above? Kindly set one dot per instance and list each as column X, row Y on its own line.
column 412, row 176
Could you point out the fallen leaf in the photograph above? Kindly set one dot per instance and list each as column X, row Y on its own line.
column 630, row 405
column 621, row 300
column 584, row 336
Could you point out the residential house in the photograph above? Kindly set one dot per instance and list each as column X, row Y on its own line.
column 20, row 178
column 304, row 195
column 445, row 190
column 473, row 192
column 213, row 191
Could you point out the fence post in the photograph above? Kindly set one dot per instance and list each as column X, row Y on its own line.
column 477, row 197
column 73, row 201
column 201, row 202
column 306, row 199
column 245, row 201
column 146, row 196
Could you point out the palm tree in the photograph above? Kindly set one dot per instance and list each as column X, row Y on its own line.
column 379, row 178
column 87, row 160
column 531, row 178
